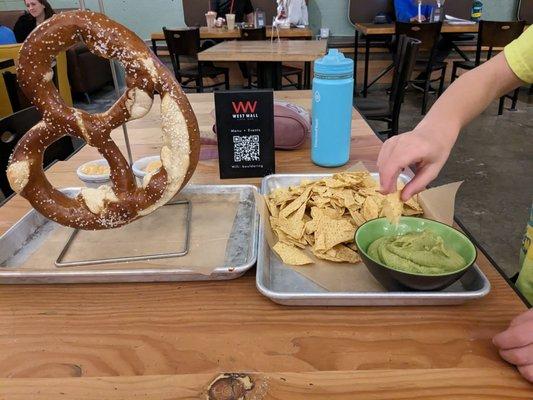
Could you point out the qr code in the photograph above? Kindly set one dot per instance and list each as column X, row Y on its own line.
column 246, row 148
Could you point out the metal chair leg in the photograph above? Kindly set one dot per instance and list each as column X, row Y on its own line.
column 199, row 85
column 500, row 106
column 454, row 73
column 441, row 85
column 226, row 79
column 515, row 100
column 426, row 92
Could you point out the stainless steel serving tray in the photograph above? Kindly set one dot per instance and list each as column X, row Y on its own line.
column 21, row 240
column 286, row 286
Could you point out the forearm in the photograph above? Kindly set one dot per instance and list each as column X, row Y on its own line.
column 430, row 143
column 468, row 96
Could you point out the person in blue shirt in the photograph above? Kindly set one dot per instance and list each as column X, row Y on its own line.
column 407, row 11
column 6, row 35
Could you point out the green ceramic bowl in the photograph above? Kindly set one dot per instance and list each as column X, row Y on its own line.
column 395, row 280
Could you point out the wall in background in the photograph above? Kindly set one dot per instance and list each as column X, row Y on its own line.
column 145, row 16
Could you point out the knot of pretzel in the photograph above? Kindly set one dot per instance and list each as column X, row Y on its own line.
column 123, row 202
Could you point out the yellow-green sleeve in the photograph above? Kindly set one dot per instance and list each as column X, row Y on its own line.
column 519, row 55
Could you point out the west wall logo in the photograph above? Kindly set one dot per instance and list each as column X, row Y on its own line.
column 244, row 109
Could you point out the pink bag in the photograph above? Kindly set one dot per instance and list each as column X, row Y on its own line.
column 292, row 125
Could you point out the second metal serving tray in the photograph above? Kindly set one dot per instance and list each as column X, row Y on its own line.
column 29, row 234
column 285, row 286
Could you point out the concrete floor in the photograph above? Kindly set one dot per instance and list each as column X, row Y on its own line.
column 494, row 157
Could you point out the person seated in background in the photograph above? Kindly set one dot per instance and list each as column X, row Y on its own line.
column 407, row 11
column 6, row 35
column 243, row 9
column 37, row 11
column 292, row 12
column 430, row 143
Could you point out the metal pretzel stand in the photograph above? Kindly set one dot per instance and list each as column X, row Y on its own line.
column 180, row 253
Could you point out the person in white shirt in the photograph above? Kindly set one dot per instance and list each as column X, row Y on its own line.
column 292, row 12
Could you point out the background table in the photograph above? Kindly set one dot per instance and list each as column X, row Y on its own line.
column 269, row 55
column 171, row 340
column 225, row 34
column 373, row 32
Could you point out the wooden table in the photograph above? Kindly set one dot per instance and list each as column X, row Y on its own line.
column 373, row 32
column 225, row 34
column 171, row 340
column 368, row 28
column 269, row 55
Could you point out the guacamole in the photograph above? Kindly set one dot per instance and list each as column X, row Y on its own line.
column 416, row 252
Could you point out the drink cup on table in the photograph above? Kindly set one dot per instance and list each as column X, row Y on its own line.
column 210, row 18
column 230, row 21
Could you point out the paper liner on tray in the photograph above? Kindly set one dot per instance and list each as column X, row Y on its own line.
column 162, row 231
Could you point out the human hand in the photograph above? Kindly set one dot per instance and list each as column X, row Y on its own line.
column 427, row 148
column 516, row 344
column 415, row 18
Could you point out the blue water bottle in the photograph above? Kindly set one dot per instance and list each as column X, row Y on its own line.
column 332, row 110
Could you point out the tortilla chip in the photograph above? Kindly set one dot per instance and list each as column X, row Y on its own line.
column 357, row 217
column 274, row 211
column 296, row 204
column 292, row 227
column 370, row 208
column 310, row 227
column 346, row 254
column 284, row 238
column 392, row 208
column 412, row 206
column 348, row 197
column 291, row 255
column 330, row 232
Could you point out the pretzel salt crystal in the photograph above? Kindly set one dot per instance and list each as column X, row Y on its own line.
column 105, row 207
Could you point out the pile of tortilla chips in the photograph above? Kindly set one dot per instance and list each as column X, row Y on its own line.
column 324, row 215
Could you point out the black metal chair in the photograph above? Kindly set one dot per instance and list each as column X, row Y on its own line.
column 493, row 34
column 12, row 128
column 428, row 34
column 287, row 71
column 186, row 43
column 17, row 99
column 389, row 111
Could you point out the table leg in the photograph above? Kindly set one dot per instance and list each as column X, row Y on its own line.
column 307, row 73
column 355, row 53
column 269, row 75
column 154, row 46
column 367, row 59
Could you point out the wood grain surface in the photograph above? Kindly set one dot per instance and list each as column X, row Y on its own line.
column 437, row 384
column 265, row 50
column 170, row 340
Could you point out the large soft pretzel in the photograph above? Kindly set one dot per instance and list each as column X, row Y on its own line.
column 105, row 207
